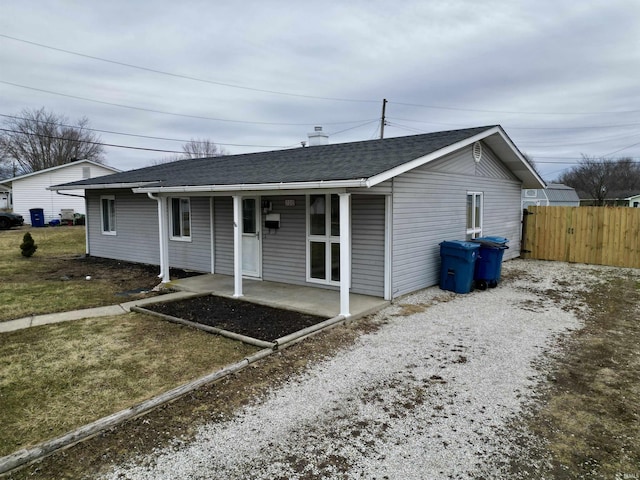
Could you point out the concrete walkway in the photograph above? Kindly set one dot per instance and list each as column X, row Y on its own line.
column 316, row 301
column 36, row 320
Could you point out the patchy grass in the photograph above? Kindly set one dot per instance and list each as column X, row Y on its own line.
column 58, row 377
column 53, row 280
column 179, row 421
column 589, row 421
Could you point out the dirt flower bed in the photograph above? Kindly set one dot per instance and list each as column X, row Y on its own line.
column 256, row 321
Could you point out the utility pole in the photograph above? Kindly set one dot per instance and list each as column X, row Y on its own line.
column 382, row 122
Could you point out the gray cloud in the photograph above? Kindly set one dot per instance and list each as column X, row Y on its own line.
column 564, row 59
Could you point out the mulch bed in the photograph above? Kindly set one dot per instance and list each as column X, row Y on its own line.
column 250, row 319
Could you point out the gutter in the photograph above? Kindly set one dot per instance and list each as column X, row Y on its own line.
column 100, row 186
column 69, row 194
column 356, row 183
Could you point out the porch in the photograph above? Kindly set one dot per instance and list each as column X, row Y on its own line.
column 316, row 301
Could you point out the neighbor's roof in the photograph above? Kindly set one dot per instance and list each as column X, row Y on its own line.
column 355, row 164
column 58, row 167
column 559, row 192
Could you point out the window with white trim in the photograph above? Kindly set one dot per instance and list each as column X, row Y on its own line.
column 323, row 238
column 180, row 215
column 474, row 214
column 108, row 214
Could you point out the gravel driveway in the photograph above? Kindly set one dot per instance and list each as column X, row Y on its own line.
column 427, row 396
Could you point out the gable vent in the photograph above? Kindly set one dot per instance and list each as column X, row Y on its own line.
column 477, row 152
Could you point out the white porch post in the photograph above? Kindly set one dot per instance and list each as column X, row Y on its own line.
column 237, row 246
column 345, row 253
column 163, row 234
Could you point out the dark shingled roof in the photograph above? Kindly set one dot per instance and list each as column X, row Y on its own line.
column 343, row 161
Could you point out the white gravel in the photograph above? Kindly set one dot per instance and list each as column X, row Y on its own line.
column 426, row 396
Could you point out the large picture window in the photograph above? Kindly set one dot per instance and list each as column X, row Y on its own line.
column 108, row 214
column 474, row 215
column 323, row 238
column 180, row 218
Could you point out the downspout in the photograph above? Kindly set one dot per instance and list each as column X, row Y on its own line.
column 86, row 223
column 164, row 268
column 86, row 228
column 391, row 236
column 345, row 254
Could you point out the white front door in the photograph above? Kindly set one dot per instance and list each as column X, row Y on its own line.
column 251, row 258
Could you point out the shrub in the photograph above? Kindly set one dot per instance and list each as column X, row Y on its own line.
column 28, row 246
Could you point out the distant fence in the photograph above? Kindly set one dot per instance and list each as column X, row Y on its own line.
column 594, row 235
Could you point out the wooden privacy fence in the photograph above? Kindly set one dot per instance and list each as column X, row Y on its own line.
column 594, row 235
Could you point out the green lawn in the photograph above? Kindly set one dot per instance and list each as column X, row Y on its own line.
column 55, row 378
column 53, row 280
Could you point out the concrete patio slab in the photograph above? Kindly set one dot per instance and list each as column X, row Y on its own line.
column 313, row 300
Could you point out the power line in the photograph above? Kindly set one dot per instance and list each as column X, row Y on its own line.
column 185, row 77
column 518, row 112
column 138, row 136
column 297, row 95
column 353, row 128
column 89, row 142
column 586, row 127
column 246, row 122
column 555, row 145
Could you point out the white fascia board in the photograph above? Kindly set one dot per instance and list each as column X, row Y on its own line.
column 418, row 162
column 255, row 187
column 523, row 160
column 64, row 165
column 100, row 186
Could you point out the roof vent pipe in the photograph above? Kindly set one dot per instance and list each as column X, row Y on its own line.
column 318, row 137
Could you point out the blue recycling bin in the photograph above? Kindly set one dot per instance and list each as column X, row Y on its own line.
column 458, row 265
column 37, row 217
column 489, row 263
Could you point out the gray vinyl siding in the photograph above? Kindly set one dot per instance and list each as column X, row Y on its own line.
column 429, row 206
column 284, row 250
column 223, row 235
column 136, row 238
column 368, row 248
column 194, row 254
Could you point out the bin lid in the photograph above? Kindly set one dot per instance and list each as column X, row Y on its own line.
column 460, row 245
column 492, row 241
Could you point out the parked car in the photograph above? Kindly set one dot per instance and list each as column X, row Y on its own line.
column 8, row 220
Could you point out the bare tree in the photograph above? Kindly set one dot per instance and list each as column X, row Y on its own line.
column 603, row 178
column 37, row 139
column 194, row 148
column 201, row 148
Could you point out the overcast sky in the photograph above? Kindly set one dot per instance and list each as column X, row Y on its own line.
column 562, row 77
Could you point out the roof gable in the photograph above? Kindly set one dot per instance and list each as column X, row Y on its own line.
column 59, row 167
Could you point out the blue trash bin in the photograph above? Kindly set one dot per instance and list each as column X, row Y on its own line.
column 489, row 263
column 37, row 217
column 458, row 265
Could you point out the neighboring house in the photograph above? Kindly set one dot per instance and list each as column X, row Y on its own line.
column 555, row 194
column 363, row 217
column 30, row 190
column 5, row 198
column 634, row 200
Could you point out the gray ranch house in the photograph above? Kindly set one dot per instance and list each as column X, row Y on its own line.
column 363, row 217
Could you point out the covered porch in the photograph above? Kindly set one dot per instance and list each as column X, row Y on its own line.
column 312, row 300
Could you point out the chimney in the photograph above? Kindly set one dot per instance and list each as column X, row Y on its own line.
column 318, row 137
